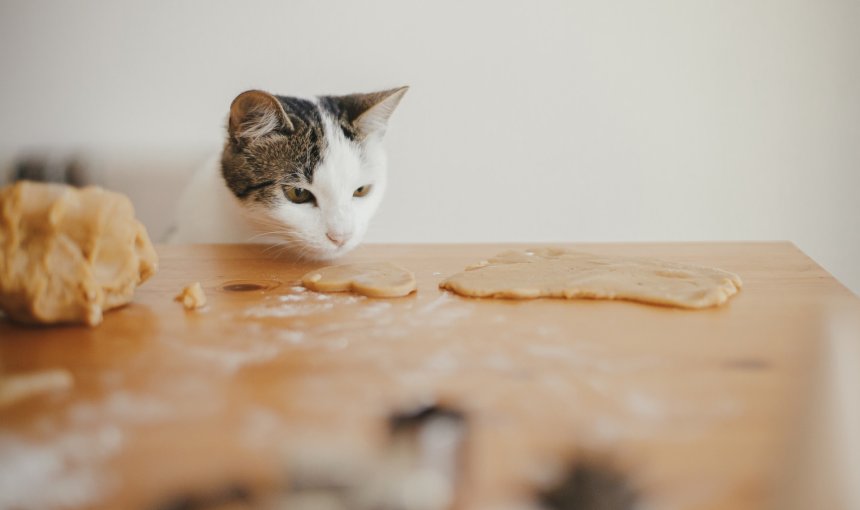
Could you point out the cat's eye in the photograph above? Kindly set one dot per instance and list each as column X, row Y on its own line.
column 362, row 190
column 298, row 195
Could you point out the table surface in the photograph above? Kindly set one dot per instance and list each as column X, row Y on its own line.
column 695, row 408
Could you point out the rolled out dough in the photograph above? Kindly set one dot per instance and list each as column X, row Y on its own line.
column 68, row 254
column 374, row 279
column 558, row 273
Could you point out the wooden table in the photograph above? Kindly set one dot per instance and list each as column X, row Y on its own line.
column 696, row 408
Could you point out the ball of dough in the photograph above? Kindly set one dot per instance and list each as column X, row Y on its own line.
column 67, row 254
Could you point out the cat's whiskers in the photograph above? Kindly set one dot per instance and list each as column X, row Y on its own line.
column 283, row 239
column 286, row 241
column 261, row 234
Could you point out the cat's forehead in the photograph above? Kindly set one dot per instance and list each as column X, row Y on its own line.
column 323, row 136
column 315, row 152
column 305, row 146
column 341, row 166
column 340, row 117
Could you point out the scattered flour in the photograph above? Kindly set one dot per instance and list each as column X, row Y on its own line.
column 303, row 303
column 66, row 471
column 121, row 405
column 291, row 298
column 291, row 337
column 337, row 344
column 499, row 362
column 264, row 311
column 443, row 362
column 68, row 466
column 555, row 352
column 232, row 360
column 374, row 309
column 645, row 406
column 262, row 428
column 436, row 303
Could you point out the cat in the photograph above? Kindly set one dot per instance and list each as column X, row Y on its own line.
column 305, row 174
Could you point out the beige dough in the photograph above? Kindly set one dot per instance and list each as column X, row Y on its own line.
column 374, row 279
column 192, row 297
column 67, row 254
column 17, row 387
column 558, row 273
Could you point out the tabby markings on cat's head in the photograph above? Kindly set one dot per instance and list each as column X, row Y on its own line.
column 309, row 173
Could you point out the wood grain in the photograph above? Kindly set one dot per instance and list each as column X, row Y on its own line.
column 696, row 407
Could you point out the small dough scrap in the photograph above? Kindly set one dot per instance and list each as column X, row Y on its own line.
column 373, row 279
column 192, row 297
column 67, row 255
column 558, row 273
column 17, row 387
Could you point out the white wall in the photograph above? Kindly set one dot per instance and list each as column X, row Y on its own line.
column 527, row 121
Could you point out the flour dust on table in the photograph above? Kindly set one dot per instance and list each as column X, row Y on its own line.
column 304, row 174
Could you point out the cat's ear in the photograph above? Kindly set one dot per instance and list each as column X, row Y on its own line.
column 369, row 113
column 254, row 114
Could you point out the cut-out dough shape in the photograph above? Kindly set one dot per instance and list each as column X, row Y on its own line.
column 558, row 273
column 373, row 279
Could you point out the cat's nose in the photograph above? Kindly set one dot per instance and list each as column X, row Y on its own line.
column 338, row 238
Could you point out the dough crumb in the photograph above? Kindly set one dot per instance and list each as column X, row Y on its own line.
column 67, row 255
column 192, row 297
column 558, row 273
column 17, row 387
column 373, row 279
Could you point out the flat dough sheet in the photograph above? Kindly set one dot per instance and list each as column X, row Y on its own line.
column 558, row 273
column 374, row 279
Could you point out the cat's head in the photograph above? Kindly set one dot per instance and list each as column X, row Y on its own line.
column 309, row 173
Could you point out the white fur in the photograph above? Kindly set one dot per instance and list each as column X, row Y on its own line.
column 263, row 121
column 209, row 212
